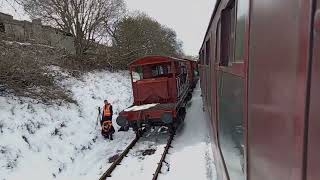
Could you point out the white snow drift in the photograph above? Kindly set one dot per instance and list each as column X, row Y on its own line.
column 47, row 142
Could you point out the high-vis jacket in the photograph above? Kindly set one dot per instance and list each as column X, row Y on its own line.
column 107, row 110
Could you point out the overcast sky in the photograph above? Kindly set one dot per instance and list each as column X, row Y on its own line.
column 189, row 18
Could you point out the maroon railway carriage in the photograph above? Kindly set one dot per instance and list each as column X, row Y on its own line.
column 161, row 87
column 260, row 79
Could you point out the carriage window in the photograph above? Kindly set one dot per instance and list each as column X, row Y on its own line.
column 242, row 9
column 227, row 35
column 230, row 126
column 218, row 32
column 208, row 54
column 202, row 57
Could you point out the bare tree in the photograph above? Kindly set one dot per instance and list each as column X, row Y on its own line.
column 83, row 19
column 139, row 35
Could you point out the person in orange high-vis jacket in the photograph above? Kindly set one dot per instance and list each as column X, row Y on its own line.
column 106, row 122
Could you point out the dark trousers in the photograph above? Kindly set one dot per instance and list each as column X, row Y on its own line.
column 106, row 118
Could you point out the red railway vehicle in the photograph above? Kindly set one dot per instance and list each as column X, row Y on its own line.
column 193, row 72
column 259, row 72
column 161, row 87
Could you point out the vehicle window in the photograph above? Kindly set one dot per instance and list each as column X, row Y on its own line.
column 137, row 74
column 227, row 35
column 217, row 40
column 242, row 9
column 159, row 70
column 202, row 57
column 230, row 126
column 208, row 52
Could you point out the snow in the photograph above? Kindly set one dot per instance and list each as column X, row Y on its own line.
column 136, row 76
column 191, row 156
column 136, row 166
column 63, row 142
column 141, row 107
column 19, row 43
column 26, row 44
column 42, row 142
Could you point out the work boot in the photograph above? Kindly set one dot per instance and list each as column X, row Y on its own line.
column 105, row 137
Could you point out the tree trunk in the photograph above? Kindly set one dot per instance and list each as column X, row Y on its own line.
column 78, row 44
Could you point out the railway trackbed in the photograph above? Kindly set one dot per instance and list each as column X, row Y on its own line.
column 124, row 154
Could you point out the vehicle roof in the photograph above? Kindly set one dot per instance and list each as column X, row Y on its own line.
column 210, row 22
column 154, row 60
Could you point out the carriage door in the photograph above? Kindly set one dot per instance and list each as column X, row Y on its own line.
column 313, row 148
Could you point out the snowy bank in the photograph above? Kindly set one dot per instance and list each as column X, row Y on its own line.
column 62, row 142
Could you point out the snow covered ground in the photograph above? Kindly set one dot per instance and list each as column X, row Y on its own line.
column 63, row 142
column 190, row 158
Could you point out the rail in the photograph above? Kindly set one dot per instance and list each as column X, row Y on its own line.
column 126, row 151
column 163, row 157
column 119, row 159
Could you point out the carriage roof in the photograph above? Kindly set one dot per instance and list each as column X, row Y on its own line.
column 148, row 60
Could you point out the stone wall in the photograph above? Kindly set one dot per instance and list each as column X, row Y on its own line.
column 25, row 31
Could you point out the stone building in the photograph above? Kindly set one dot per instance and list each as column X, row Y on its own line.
column 25, row 31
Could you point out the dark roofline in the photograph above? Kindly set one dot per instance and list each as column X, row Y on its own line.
column 168, row 59
column 209, row 25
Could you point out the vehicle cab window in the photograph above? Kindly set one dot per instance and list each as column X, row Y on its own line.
column 160, row 70
column 137, row 74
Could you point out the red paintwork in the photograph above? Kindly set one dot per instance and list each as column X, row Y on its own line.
column 280, row 131
column 162, row 89
column 313, row 148
column 277, row 90
column 210, row 72
column 150, row 114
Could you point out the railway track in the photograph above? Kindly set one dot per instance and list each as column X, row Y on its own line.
column 163, row 157
column 124, row 154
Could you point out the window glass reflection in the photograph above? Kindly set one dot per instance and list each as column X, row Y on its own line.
column 242, row 10
column 231, row 124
